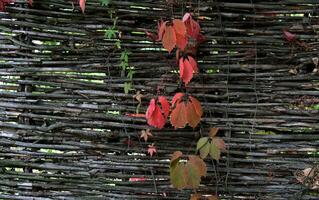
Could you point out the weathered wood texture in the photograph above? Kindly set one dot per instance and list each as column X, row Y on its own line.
column 61, row 78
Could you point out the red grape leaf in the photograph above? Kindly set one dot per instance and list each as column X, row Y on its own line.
column 145, row 134
column 198, row 163
column 192, row 117
column 176, row 155
column 177, row 97
column 82, row 5
column 192, row 27
column 178, row 116
column 213, row 132
column 154, row 115
column 151, row 36
column 193, row 63
column 137, row 179
column 289, row 36
column 197, row 106
column 179, row 27
column 151, row 150
column 186, row 17
column 150, row 108
column 185, row 70
column 181, row 41
column 161, row 29
column 169, row 38
column 3, row 4
column 165, row 105
column 219, row 142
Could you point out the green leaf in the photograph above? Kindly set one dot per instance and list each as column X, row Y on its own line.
column 201, row 142
column 193, row 180
column 127, row 87
column 204, row 151
column 110, row 33
column 178, row 177
column 214, row 151
column 105, row 2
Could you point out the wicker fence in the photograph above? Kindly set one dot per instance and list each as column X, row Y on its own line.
column 65, row 132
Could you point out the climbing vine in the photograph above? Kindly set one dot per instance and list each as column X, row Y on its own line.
column 184, row 36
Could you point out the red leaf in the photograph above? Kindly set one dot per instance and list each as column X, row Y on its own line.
column 177, row 97
column 181, row 41
column 30, row 2
column 200, row 38
column 289, row 36
column 135, row 115
column 165, row 105
column 179, row 115
column 219, row 142
column 192, row 27
column 151, row 36
column 185, row 70
column 169, row 38
column 150, row 108
column 193, row 63
column 161, row 29
column 176, row 155
column 197, row 106
column 179, row 27
column 192, row 117
column 186, row 17
column 82, row 5
column 145, row 134
column 151, row 149
column 154, row 115
column 3, row 4
column 137, row 179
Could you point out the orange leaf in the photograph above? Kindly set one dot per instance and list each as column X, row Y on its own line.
column 177, row 97
column 145, row 134
column 196, row 196
column 161, row 29
column 169, row 38
column 192, row 117
column 219, row 142
column 185, row 70
column 213, row 132
column 181, row 41
column 179, row 116
column 212, row 198
column 197, row 106
column 165, row 105
column 199, row 164
column 179, row 27
column 82, row 5
column 176, row 155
